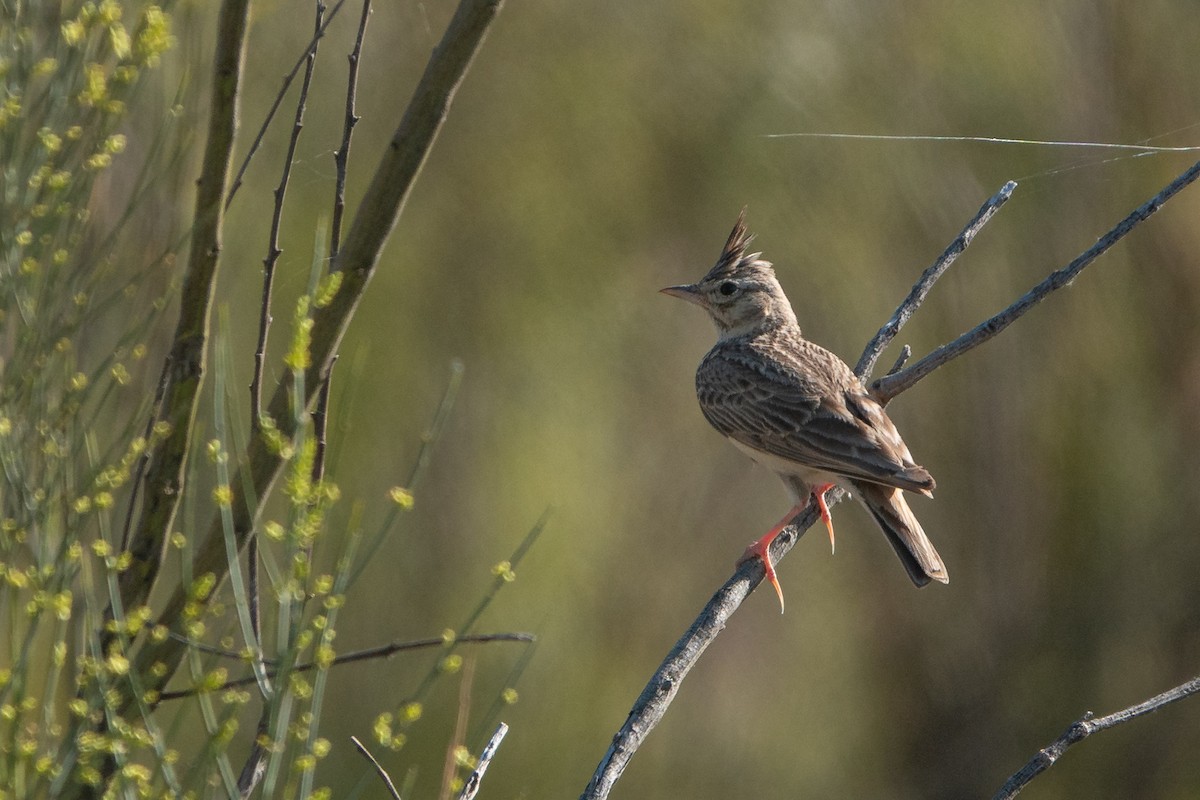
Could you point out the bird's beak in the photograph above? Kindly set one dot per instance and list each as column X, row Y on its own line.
column 687, row 291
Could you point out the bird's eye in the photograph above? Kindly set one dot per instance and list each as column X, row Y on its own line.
column 728, row 288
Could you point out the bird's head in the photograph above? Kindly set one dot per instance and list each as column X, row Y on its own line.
column 740, row 293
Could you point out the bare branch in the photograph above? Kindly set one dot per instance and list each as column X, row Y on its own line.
column 654, row 700
column 652, row 704
column 1083, row 728
column 368, row 654
column 255, row 765
column 888, row 387
column 866, row 362
column 471, row 788
column 387, row 779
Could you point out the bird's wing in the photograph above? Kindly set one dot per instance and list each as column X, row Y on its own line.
column 813, row 412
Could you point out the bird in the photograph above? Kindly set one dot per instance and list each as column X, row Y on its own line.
column 800, row 411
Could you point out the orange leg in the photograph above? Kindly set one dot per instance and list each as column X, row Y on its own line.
column 761, row 549
column 819, row 494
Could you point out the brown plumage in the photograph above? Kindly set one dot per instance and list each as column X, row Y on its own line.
column 796, row 408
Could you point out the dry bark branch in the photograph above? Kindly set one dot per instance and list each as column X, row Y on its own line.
column 920, row 290
column 1083, row 728
column 654, row 700
column 892, row 385
column 183, row 369
column 471, row 787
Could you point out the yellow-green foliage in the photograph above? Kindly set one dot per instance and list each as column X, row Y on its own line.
column 67, row 82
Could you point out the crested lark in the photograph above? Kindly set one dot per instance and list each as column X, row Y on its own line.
column 798, row 410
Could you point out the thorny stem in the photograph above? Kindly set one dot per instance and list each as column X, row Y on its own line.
column 342, row 155
column 253, row 767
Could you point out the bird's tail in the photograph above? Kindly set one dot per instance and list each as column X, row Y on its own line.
column 890, row 510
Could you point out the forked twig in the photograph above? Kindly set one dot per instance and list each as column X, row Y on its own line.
column 654, row 700
column 901, row 360
column 920, row 290
column 278, row 101
column 1085, row 727
column 892, row 385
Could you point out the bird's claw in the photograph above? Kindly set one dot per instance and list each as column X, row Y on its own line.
column 761, row 550
column 826, row 517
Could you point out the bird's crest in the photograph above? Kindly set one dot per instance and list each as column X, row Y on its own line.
column 734, row 258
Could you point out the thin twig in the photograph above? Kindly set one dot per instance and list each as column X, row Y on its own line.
column 892, row 385
column 341, row 156
column 273, row 248
column 1083, row 728
column 254, row 767
column 471, row 787
column 866, row 363
column 387, row 779
column 654, row 700
column 369, row 654
column 278, row 101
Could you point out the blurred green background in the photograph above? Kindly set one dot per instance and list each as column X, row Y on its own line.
column 601, row 150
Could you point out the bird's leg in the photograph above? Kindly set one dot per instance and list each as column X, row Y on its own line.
column 819, row 496
column 761, row 549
